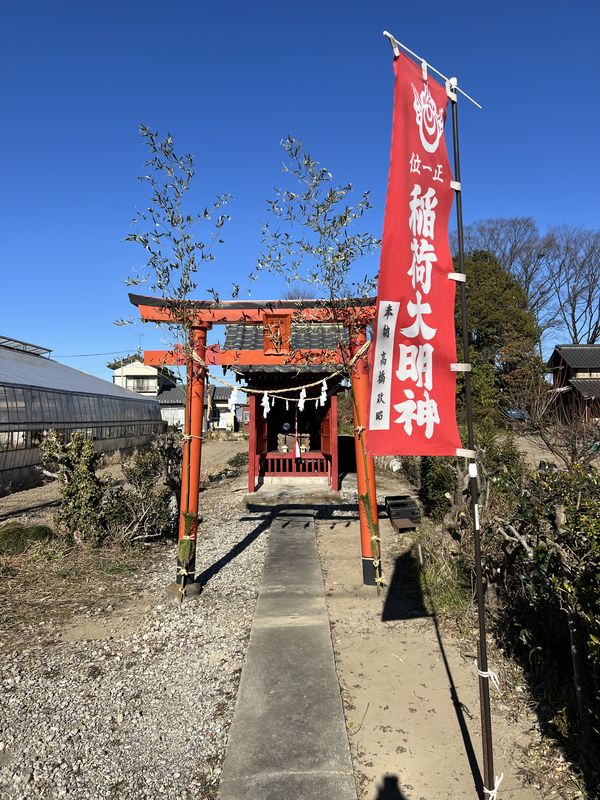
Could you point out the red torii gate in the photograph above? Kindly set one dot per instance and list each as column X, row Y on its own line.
column 276, row 317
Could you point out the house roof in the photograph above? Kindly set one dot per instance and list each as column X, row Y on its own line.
column 305, row 336
column 589, row 388
column 220, row 392
column 176, row 395
column 123, row 362
column 576, row 356
column 172, row 397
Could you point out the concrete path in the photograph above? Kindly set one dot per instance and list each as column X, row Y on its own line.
column 293, row 491
column 288, row 738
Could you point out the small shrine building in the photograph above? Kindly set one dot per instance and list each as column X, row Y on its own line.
column 291, row 438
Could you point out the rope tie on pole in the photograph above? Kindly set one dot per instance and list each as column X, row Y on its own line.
column 490, row 675
column 184, row 571
column 493, row 793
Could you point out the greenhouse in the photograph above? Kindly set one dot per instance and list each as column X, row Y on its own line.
column 38, row 394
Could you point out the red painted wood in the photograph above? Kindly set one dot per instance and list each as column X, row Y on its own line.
column 365, row 465
column 252, row 445
column 214, row 356
column 326, row 431
column 335, row 473
column 216, row 316
column 192, row 450
column 261, row 428
column 278, row 465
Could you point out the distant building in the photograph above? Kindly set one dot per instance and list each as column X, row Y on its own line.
column 172, row 406
column 131, row 373
column 160, row 383
column 38, row 394
column 218, row 415
column 576, row 377
column 157, row 382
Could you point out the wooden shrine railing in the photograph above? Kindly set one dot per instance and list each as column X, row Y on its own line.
column 277, row 465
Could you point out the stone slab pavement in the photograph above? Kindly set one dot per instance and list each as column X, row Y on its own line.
column 288, row 737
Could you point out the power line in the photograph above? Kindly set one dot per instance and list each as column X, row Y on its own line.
column 90, row 355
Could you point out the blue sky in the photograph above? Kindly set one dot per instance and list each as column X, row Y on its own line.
column 230, row 80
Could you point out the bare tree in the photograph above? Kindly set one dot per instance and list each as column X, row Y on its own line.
column 574, row 280
column 559, row 271
column 523, row 252
column 558, row 417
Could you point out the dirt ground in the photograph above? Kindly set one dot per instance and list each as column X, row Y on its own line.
column 410, row 687
column 408, row 681
column 44, row 591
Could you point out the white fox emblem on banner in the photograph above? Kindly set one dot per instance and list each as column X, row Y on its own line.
column 429, row 119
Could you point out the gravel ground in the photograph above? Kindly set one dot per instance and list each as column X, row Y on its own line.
column 136, row 702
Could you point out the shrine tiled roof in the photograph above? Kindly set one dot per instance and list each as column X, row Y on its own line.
column 287, row 369
column 305, row 336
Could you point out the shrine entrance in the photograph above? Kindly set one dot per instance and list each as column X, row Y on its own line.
column 293, row 356
column 290, row 442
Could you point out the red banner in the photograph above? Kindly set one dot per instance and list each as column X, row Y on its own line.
column 412, row 406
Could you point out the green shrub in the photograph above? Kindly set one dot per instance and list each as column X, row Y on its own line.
column 92, row 511
column 239, row 459
column 81, row 489
column 438, row 479
column 143, row 508
column 16, row 538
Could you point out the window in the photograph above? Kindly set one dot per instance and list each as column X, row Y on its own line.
column 141, row 384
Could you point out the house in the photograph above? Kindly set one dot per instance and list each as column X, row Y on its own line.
column 131, row 373
column 576, row 377
column 172, row 406
column 218, row 414
column 156, row 382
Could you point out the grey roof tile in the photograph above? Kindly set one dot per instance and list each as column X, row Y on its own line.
column 287, row 369
column 244, row 337
column 220, row 392
column 577, row 356
column 586, row 387
column 305, row 336
column 172, row 397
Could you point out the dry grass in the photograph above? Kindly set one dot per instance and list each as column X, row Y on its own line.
column 52, row 582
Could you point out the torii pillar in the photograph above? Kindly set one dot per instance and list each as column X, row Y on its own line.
column 365, row 468
column 185, row 582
